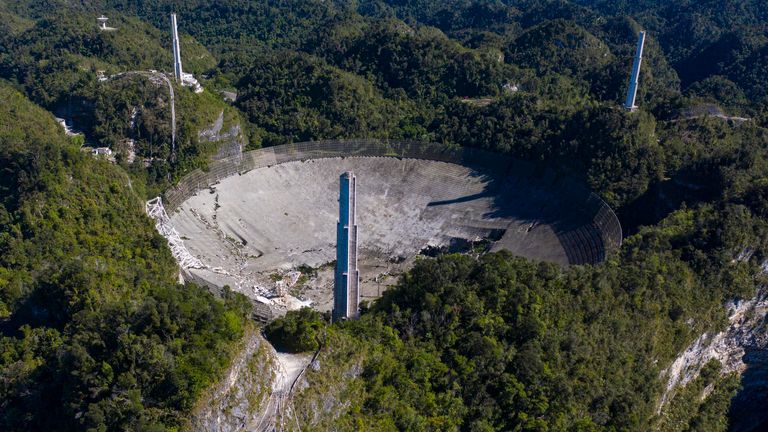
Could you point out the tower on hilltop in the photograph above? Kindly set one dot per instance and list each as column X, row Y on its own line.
column 632, row 90
column 177, row 72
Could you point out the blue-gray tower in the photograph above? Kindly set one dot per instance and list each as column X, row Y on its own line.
column 177, row 72
column 346, row 293
column 632, row 90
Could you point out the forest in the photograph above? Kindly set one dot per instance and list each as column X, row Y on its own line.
column 97, row 334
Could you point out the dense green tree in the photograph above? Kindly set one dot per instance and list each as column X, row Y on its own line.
column 95, row 333
column 298, row 331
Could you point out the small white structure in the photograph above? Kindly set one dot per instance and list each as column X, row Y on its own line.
column 102, row 151
column 511, row 87
column 102, row 20
column 189, row 80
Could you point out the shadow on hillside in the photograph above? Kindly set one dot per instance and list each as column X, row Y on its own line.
column 533, row 196
column 749, row 408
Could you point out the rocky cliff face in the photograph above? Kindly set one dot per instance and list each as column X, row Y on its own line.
column 742, row 348
column 238, row 400
column 330, row 386
column 746, row 332
column 265, row 390
column 256, row 394
column 231, row 140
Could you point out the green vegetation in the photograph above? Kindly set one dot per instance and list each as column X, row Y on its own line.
column 58, row 59
column 298, row 331
column 691, row 413
column 499, row 343
column 287, row 95
column 97, row 335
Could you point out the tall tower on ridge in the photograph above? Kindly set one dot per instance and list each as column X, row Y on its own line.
column 632, row 90
column 346, row 293
column 176, row 50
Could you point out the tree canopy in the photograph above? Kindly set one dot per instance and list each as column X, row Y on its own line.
column 96, row 334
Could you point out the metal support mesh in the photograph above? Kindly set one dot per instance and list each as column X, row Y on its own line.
column 585, row 244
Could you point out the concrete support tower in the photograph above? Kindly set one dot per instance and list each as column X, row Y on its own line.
column 176, row 50
column 632, row 90
column 346, row 293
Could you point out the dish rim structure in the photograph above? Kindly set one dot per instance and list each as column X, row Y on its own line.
column 593, row 232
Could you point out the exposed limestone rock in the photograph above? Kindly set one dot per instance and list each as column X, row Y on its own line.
column 231, row 141
column 238, row 400
column 278, row 412
column 746, row 337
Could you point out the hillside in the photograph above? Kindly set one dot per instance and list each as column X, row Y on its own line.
column 668, row 334
column 96, row 334
column 58, row 61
